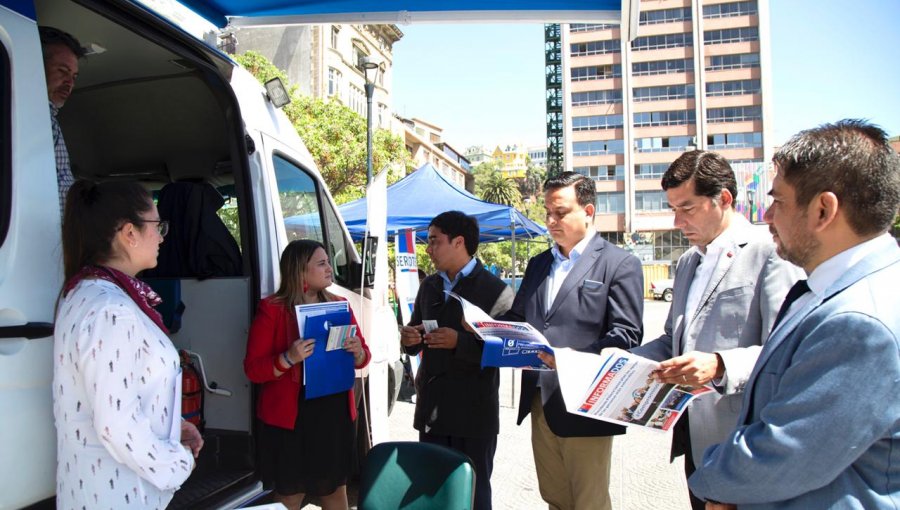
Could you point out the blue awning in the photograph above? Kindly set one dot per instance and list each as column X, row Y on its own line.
column 401, row 12
column 433, row 194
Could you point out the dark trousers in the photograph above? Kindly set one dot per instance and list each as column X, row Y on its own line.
column 682, row 439
column 481, row 451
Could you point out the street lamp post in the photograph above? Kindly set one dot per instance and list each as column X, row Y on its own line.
column 367, row 65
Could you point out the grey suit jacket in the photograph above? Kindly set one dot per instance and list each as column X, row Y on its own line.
column 733, row 319
column 820, row 423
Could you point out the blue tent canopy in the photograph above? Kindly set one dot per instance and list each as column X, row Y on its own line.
column 420, row 196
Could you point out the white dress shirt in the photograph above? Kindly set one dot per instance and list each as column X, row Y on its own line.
column 707, row 267
column 562, row 265
column 832, row 269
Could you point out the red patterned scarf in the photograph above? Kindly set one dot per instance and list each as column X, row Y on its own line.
column 141, row 293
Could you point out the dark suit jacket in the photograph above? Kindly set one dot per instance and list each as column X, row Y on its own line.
column 600, row 304
column 455, row 396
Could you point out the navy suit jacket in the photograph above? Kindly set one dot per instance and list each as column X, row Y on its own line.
column 600, row 304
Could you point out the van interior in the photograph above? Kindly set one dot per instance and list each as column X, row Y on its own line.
column 156, row 109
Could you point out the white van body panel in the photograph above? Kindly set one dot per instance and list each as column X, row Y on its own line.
column 30, row 278
column 31, row 271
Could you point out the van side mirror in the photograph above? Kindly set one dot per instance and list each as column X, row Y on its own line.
column 371, row 249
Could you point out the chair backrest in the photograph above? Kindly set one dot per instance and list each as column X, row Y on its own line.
column 199, row 244
column 416, row 476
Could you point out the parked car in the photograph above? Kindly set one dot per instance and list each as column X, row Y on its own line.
column 662, row 289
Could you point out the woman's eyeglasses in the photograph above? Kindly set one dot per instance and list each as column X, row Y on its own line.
column 162, row 226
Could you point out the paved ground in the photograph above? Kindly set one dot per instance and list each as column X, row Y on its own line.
column 642, row 477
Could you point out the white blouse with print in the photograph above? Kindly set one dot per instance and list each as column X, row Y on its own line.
column 117, row 404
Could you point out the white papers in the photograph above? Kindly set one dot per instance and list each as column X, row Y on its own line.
column 304, row 311
column 429, row 325
column 617, row 386
column 337, row 335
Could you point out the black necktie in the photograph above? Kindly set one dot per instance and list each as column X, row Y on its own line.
column 800, row 288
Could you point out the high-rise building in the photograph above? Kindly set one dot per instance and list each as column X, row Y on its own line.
column 696, row 77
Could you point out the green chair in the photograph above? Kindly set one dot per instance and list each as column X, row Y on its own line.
column 416, row 476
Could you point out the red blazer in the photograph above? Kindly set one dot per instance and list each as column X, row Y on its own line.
column 273, row 331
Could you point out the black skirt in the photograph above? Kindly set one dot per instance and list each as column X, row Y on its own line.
column 315, row 457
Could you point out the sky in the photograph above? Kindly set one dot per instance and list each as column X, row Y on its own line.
column 484, row 83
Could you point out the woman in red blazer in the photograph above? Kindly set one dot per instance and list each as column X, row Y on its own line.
column 306, row 444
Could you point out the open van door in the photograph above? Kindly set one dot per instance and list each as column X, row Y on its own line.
column 30, row 265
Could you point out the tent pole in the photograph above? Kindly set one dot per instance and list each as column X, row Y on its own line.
column 512, row 394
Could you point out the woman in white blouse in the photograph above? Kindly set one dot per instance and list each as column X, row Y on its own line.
column 121, row 442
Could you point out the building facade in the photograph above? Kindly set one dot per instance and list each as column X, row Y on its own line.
column 513, row 160
column 538, row 156
column 425, row 144
column 696, row 77
column 324, row 60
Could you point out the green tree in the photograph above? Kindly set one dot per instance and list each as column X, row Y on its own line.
column 335, row 136
column 492, row 186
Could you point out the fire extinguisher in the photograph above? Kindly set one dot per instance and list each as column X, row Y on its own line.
column 191, row 391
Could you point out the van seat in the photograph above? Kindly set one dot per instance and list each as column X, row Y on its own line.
column 199, row 244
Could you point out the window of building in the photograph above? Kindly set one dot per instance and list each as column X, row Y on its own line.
column 612, row 202
column 335, row 30
column 733, row 114
column 669, row 245
column 358, row 54
column 590, row 27
column 734, row 141
column 602, row 172
column 664, row 92
column 670, row 118
column 739, row 61
column 731, row 35
column 665, row 16
column 654, row 42
column 592, row 122
column 664, row 143
column 334, row 83
column 598, row 147
column 596, row 97
column 595, row 48
column 730, row 9
column 681, row 65
column 650, row 170
column 382, row 115
column 357, row 100
column 651, row 201
column 733, row 88
column 596, row 72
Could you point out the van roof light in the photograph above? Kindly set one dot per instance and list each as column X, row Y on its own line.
column 276, row 92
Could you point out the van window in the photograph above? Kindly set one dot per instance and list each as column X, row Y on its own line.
column 305, row 217
column 6, row 143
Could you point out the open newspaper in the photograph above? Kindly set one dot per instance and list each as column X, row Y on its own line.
column 618, row 387
column 614, row 386
column 506, row 344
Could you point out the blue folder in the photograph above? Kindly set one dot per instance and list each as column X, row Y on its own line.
column 327, row 372
column 513, row 352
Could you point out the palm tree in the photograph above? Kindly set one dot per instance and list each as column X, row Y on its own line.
column 498, row 189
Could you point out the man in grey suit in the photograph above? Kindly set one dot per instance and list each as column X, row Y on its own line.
column 586, row 294
column 727, row 291
column 820, row 420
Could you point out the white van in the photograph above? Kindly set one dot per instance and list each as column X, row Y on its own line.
column 156, row 105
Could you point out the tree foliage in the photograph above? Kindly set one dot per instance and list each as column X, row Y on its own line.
column 335, row 136
column 492, row 186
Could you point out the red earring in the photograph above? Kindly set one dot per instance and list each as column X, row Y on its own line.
column 305, row 287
